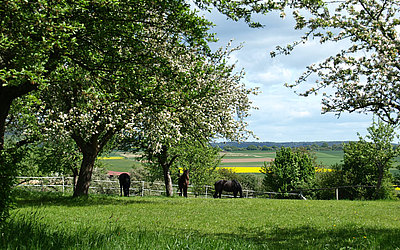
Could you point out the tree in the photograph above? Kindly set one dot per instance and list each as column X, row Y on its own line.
column 201, row 159
column 365, row 75
column 115, row 74
column 291, row 170
column 252, row 147
column 367, row 161
column 198, row 157
column 34, row 34
column 213, row 104
column 45, row 42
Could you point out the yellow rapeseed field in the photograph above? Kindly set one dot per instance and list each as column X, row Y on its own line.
column 111, row 158
column 242, row 170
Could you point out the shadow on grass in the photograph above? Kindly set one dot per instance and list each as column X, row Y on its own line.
column 27, row 232
column 30, row 233
column 25, row 198
column 349, row 237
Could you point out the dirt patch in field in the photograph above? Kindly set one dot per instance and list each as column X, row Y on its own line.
column 247, row 160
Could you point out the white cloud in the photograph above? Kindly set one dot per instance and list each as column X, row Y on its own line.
column 283, row 115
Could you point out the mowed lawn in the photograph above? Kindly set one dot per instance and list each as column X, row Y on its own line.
column 104, row 222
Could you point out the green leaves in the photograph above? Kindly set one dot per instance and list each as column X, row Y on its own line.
column 367, row 161
column 291, row 170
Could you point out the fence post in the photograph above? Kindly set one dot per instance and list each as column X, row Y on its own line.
column 63, row 183
column 142, row 189
column 337, row 193
column 206, row 190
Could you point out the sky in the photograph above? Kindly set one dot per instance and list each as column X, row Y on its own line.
column 282, row 115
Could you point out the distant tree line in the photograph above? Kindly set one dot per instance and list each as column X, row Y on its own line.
column 271, row 146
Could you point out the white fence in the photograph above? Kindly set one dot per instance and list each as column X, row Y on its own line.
column 138, row 188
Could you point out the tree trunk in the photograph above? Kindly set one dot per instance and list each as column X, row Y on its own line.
column 85, row 173
column 75, row 178
column 166, row 164
column 7, row 95
column 168, row 181
column 379, row 181
column 4, row 109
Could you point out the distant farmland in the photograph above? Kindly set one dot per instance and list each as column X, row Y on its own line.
column 249, row 161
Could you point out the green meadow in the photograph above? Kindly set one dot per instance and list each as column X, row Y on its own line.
column 53, row 221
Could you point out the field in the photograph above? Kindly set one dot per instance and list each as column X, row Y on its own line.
column 48, row 221
column 249, row 161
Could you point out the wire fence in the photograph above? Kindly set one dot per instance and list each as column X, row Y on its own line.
column 138, row 188
column 142, row 188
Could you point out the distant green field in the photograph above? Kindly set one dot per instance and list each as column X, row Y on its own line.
column 329, row 158
column 53, row 221
column 118, row 162
column 125, row 164
column 120, row 165
column 326, row 158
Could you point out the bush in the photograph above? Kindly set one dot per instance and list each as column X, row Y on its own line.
column 291, row 170
column 8, row 169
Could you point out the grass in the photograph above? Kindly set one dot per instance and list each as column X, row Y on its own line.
column 102, row 222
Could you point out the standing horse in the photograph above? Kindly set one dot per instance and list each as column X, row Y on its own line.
column 229, row 186
column 183, row 183
column 124, row 183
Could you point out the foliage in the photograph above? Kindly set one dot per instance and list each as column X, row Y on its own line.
column 199, row 158
column 251, row 182
column 213, row 104
column 291, row 170
column 7, row 172
column 10, row 159
column 325, row 184
column 252, row 147
column 226, row 174
column 51, row 156
column 368, row 162
column 364, row 173
column 364, row 76
column 201, row 161
column 44, row 220
column 109, row 80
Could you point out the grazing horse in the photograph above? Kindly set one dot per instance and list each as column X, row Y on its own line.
column 183, row 183
column 124, row 183
column 229, row 186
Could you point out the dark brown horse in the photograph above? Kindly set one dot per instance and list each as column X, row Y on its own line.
column 229, row 186
column 183, row 183
column 124, row 183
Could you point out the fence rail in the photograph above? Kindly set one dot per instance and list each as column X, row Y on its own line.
column 139, row 188
column 142, row 188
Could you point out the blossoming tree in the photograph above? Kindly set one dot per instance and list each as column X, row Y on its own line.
column 211, row 103
column 123, row 61
column 364, row 76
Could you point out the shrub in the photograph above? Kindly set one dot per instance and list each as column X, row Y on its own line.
column 8, row 169
column 291, row 170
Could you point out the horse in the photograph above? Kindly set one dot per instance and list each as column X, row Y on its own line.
column 229, row 186
column 124, row 183
column 183, row 183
